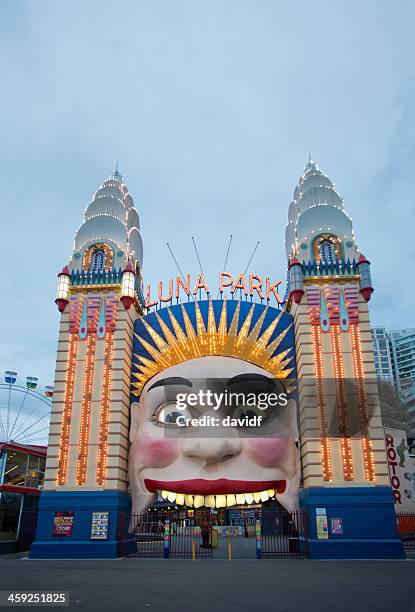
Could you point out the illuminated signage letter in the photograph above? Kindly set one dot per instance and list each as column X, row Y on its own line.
column 184, row 285
column 255, row 287
column 273, row 289
column 200, row 284
column 148, row 303
column 166, row 299
column 222, row 283
column 239, row 284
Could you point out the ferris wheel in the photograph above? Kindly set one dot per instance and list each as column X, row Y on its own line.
column 24, row 410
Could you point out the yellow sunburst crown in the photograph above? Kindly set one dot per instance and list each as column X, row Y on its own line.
column 256, row 333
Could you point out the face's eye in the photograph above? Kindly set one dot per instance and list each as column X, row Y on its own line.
column 242, row 412
column 167, row 415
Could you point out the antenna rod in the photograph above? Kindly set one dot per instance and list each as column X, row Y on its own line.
column 197, row 255
column 226, row 258
column 175, row 261
column 253, row 253
column 227, row 253
column 178, row 267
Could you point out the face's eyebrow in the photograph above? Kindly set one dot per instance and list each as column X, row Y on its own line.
column 173, row 380
column 250, row 377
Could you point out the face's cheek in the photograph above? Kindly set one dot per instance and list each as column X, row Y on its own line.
column 270, row 452
column 151, row 451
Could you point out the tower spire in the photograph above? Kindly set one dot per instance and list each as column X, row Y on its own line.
column 115, row 175
column 310, row 165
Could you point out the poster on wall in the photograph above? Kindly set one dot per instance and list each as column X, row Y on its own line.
column 401, row 470
column 63, row 523
column 99, row 525
column 337, row 526
column 322, row 527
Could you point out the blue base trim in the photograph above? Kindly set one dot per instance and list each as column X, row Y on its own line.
column 369, row 523
column 79, row 544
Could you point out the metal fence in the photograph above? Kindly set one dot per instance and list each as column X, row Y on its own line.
column 406, row 529
column 173, row 534
column 283, row 534
column 168, row 534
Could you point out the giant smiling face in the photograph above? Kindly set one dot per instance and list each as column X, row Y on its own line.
column 210, row 470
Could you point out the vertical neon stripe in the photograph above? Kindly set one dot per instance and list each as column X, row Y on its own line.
column 67, row 409
column 105, row 405
column 361, row 395
column 319, row 373
column 86, row 410
column 346, row 448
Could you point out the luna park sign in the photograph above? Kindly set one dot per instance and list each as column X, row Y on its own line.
column 252, row 285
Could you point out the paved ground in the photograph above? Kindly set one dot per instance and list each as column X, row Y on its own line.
column 242, row 548
column 220, row 585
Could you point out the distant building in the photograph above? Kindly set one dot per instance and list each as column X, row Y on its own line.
column 402, row 344
column 382, row 354
column 395, row 360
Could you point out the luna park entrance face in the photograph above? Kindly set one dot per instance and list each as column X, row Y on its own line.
column 231, row 533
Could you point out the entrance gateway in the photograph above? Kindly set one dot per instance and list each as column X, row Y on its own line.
column 115, row 450
column 174, row 534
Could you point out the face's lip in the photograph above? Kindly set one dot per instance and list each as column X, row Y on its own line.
column 220, row 486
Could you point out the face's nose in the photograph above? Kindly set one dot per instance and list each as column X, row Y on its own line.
column 212, row 450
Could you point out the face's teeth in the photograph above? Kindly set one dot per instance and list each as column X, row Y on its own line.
column 249, row 498
column 220, row 501
column 264, row 496
column 230, row 500
column 210, row 501
column 198, row 501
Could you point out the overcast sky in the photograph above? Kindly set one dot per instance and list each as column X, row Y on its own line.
column 211, row 109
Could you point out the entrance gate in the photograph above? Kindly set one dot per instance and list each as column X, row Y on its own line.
column 283, row 534
column 170, row 534
column 174, row 534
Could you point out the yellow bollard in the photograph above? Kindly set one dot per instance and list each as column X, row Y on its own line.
column 193, row 550
column 229, row 549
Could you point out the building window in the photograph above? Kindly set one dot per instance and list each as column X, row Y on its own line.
column 327, row 249
column 36, row 472
column 15, row 472
column 327, row 252
column 97, row 261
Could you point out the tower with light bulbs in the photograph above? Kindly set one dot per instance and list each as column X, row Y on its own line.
column 344, row 466
column 99, row 296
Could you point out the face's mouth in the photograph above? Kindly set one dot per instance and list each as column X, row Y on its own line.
column 218, row 493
